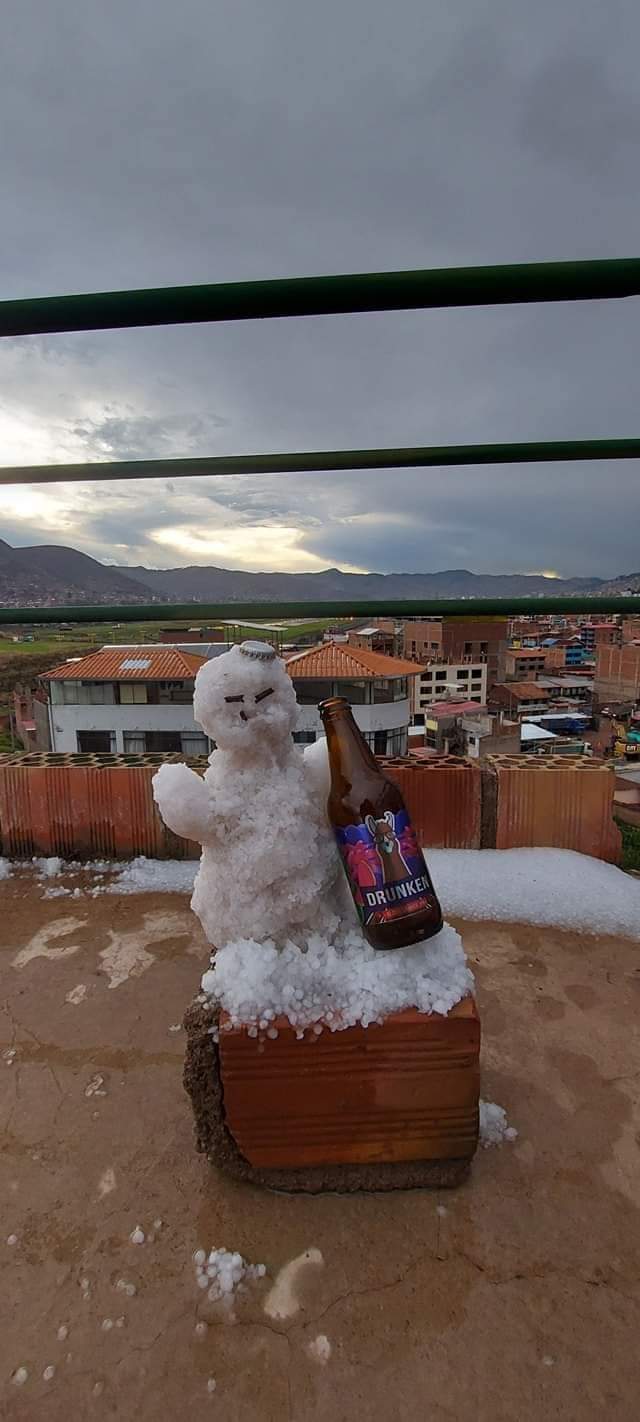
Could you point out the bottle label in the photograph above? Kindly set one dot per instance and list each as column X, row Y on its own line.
column 385, row 867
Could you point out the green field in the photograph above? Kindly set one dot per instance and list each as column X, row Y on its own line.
column 85, row 635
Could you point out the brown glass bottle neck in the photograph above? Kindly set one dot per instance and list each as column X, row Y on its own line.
column 348, row 749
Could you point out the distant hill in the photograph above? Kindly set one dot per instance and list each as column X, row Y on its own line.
column 52, row 576
column 197, row 584
column 628, row 583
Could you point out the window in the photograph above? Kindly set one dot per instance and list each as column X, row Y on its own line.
column 170, row 693
column 304, row 738
column 167, row 741
column 87, row 693
column 379, row 743
column 434, row 646
column 462, row 674
column 356, row 692
column 484, row 647
column 397, row 742
column 400, row 688
column 134, row 742
column 468, row 649
column 133, row 693
column 310, row 693
column 100, row 741
column 441, row 676
column 194, row 743
column 382, row 691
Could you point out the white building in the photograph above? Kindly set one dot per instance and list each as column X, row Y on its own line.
column 127, row 699
column 377, row 686
column 439, row 681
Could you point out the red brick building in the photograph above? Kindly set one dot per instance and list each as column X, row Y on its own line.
column 473, row 637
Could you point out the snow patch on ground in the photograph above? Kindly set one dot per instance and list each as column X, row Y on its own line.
column 555, row 888
column 335, row 983
column 282, row 1301
column 154, row 876
column 223, row 1273
column 320, row 1349
column 48, row 868
column 494, row 1127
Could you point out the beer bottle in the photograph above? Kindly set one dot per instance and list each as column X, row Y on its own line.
column 384, row 864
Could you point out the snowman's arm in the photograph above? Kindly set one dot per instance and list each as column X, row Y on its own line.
column 184, row 802
column 316, row 765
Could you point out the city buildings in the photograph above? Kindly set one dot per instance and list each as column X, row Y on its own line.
column 523, row 663
column 377, row 637
column 573, row 688
column 477, row 638
column 518, row 698
column 377, row 686
column 490, row 735
column 422, row 638
column 126, row 699
column 443, row 726
column 600, row 634
column 440, row 680
column 617, row 675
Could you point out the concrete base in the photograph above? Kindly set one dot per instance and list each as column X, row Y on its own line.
column 348, row 1141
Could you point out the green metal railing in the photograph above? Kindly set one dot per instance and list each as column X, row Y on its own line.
column 324, row 296
column 315, row 461
column 242, row 612
column 314, row 296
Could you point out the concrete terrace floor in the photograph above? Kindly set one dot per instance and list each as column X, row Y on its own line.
column 516, row 1297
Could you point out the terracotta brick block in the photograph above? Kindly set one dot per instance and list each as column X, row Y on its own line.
column 83, row 807
column 406, row 1090
column 556, row 801
column 443, row 796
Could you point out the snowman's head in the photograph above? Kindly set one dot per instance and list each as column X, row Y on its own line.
column 245, row 700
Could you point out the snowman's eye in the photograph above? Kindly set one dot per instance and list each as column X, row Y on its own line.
column 261, row 694
column 234, row 698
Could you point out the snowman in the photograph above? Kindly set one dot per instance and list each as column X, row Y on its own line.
column 270, row 867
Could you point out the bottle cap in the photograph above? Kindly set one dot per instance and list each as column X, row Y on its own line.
column 260, row 651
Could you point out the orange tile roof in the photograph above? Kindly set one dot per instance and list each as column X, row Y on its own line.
column 130, row 664
column 337, row 661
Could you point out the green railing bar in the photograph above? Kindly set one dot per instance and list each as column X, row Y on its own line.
column 324, row 295
column 420, row 456
column 241, row 612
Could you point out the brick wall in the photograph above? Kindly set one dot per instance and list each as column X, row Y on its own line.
column 617, row 675
column 101, row 806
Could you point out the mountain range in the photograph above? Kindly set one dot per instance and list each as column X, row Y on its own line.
column 53, row 576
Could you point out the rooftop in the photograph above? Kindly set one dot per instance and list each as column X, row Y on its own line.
column 524, row 689
column 339, row 662
column 527, row 651
column 531, row 732
column 558, row 682
column 518, row 1288
column 453, row 708
column 134, row 663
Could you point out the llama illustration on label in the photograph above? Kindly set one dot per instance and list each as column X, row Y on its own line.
column 385, row 867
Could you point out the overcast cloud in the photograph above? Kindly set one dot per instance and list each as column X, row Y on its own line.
column 150, row 144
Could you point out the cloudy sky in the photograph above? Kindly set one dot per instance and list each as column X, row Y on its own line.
column 150, row 144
